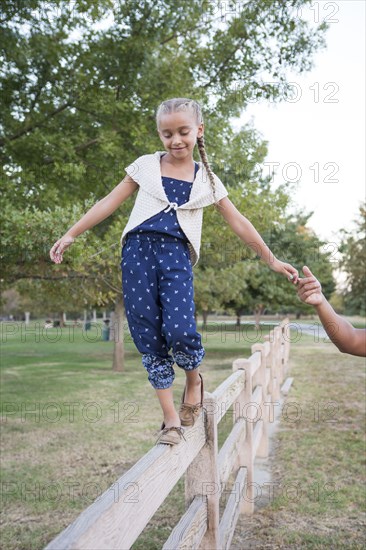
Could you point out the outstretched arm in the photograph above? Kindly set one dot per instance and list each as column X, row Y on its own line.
column 99, row 212
column 347, row 338
column 247, row 233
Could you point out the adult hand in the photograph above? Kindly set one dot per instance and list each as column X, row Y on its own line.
column 309, row 289
column 285, row 269
column 59, row 247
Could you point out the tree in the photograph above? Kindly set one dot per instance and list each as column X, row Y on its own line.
column 215, row 288
column 87, row 277
column 10, row 302
column 353, row 249
column 77, row 107
column 294, row 242
column 249, row 283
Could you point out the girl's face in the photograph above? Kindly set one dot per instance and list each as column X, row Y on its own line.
column 178, row 132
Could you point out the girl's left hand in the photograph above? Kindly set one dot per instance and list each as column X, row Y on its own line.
column 285, row 269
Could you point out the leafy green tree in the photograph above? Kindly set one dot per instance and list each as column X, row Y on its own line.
column 353, row 249
column 337, row 302
column 77, row 108
column 214, row 288
column 86, row 278
column 257, row 288
column 10, row 302
column 294, row 242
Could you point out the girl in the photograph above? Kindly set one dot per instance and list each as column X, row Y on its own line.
column 160, row 246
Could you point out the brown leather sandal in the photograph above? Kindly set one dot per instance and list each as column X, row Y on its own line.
column 170, row 436
column 188, row 413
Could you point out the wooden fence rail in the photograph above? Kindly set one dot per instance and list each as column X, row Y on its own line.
column 117, row 517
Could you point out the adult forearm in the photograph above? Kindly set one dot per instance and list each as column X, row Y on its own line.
column 339, row 330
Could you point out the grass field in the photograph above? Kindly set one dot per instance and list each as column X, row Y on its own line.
column 71, row 426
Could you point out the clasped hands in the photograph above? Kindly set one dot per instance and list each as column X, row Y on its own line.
column 309, row 289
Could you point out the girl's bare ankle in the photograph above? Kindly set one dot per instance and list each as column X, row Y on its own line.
column 192, row 383
column 172, row 420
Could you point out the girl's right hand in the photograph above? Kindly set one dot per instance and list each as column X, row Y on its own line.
column 59, row 247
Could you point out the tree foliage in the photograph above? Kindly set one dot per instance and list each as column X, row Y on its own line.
column 294, row 242
column 81, row 82
column 353, row 249
column 79, row 100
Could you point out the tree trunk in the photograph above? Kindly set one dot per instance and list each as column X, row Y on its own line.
column 119, row 348
column 257, row 316
column 94, row 315
column 204, row 315
column 112, row 326
column 62, row 324
column 238, row 319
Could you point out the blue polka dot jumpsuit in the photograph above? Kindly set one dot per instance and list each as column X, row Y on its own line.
column 157, row 284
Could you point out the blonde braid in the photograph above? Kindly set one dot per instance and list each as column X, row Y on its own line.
column 183, row 104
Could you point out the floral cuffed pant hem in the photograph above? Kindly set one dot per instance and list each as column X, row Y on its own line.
column 160, row 370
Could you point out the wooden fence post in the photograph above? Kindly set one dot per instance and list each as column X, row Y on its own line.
column 275, row 359
column 269, row 362
column 202, row 475
column 285, row 328
column 239, row 403
column 245, row 456
column 260, row 377
column 280, row 354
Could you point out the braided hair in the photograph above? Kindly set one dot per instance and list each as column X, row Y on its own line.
column 183, row 104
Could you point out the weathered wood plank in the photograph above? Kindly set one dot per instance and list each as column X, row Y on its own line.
column 266, row 348
column 188, row 533
column 227, row 392
column 257, row 398
column 202, row 477
column 245, row 456
column 231, row 513
column 268, row 378
column 228, row 454
column 286, row 385
column 255, row 359
column 257, row 435
column 114, row 523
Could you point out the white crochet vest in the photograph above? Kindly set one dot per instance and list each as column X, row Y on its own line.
column 151, row 199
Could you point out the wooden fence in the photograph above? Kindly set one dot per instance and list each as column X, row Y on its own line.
column 119, row 515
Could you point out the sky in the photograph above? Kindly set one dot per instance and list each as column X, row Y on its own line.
column 319, row 139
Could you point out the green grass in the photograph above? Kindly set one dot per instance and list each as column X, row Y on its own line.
column 67, row 419
column 71, row 427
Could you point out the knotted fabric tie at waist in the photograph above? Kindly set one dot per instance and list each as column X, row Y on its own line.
column 172, row 205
